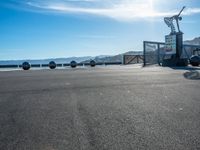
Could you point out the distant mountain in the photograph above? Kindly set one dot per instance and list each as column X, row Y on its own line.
column 195, row 41
column 46, row 61
column 115, row 58
column 86, row 59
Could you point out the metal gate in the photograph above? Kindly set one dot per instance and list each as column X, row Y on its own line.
column 153, row 52
column 132, row 59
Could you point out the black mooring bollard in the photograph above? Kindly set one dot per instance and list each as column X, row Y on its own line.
column 92, row 63
column 73, row 64
column 52, row 65
column 195, row 60
column 26, row 66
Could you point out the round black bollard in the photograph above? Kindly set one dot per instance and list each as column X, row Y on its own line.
column 52, row 65
column 26, row 66
column 73, row 64
column 92, row 63
column 195, row 60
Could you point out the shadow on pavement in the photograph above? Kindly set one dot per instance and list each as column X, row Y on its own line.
column 192, row 75
column 190, row 68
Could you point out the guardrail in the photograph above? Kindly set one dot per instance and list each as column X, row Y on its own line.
column 53, row 65
column 9, row 66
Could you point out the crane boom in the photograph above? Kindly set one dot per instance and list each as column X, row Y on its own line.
column 181, row 11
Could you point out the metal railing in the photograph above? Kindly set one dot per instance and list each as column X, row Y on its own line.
column 92, row 64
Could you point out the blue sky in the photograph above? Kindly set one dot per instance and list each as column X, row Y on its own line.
column 34, row 29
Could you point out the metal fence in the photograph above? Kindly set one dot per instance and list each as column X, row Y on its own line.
column 189, row 50
column 154, row 52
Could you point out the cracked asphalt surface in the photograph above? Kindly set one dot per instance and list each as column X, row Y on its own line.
column 105, row 108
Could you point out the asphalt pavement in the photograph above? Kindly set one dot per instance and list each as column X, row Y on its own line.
column 101, row 108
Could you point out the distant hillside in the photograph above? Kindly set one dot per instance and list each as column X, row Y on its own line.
column 115, row 58
column 46, row 61
column 86, row 59
column 195, row 41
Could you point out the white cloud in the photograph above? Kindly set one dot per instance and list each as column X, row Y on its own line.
column 96, row 37
column 119, row 9
column 191, row 11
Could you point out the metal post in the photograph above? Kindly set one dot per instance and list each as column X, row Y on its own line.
column 123, row 61
column 158, row 57
column 137, row 59
column 144, row 51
